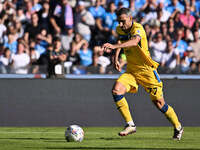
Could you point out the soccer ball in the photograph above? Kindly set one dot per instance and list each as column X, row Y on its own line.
column 74, row 133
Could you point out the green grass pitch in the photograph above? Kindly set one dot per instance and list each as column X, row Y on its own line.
column 52, row 138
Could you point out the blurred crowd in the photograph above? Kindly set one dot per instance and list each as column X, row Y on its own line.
column 64, row 36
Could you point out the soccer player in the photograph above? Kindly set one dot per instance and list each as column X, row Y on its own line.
column 141, row 69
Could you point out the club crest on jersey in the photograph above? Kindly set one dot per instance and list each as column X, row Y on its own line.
column 138, row 31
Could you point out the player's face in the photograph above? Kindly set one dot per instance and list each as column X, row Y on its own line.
column 125, row 22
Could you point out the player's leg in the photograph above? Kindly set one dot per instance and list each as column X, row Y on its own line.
column 168, row 111
column 170, row 114
column 150, row 80
column 118, row 92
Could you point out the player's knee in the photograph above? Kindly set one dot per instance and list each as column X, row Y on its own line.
column 115, row 92
column 118, row 91
column 159, row 103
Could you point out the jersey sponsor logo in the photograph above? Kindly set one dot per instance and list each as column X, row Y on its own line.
column 124, row 37
column 128, row 52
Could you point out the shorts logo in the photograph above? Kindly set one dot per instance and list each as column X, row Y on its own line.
column 138, row 31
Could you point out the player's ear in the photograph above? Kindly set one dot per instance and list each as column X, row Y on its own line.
column 131, row 18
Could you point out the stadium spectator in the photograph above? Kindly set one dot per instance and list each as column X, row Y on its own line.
column 170, row 59
column 125, row 3
column 36, row 6
column 105, row 24
column 180, row 44
column 197, row 7
column 133, row 8
column 3, row 30
column 155, row 28
column 21, row 59
column 85, row 55
column 103, row 61
column 13, row 31
column 78, row 42
column 171, row 27
column 157, row 47
column 97, row 11
column 56, row 59
column 43, row 60
column 149, row 11
column 147, row 29
column 175, row 7
column 67, row 38
column 162, row 15
column 187, row 35
column 187, row 19
column 196, row 27
column 73, row 56
column 138, row 5
column 113, row 35
column 35, row 43
column 45, row 38
column 34, row 56
column 196, row 46
column 28, row 10
column 177, row 21
column 94, row 68
column 99, row 63
column 187, row 60
column 19, row 28
column 12, row 43
column 44, row 17
column 83, row 21
column 62, row 16
column 9, row 10
column 5, row 61
column 20, row 15
column 33, row 29
column 5, row 58
column 164, row 31
column 194, row 68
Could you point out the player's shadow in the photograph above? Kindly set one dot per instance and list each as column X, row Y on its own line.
column 37, row 139
column 108, row 139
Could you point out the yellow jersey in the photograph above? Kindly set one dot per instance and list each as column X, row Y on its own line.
column 138, row 57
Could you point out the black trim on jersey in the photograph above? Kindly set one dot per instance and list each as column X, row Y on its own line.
column 139, row 43
column 128, row 29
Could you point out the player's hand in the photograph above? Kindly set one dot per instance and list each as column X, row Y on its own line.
column 107, row 46
column 117, row 66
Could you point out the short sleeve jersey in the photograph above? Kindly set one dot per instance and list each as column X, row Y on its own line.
column 138, row 57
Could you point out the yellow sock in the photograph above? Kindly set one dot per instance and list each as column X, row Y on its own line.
column 172, row 117
column 123, row 108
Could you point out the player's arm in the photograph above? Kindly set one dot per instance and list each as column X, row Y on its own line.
column 117, row 50
column 116, row 63
column 130, row 43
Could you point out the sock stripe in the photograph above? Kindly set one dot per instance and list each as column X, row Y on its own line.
column 164, row 108
column 118, row 97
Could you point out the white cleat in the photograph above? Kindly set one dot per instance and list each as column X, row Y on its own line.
column 128, row 130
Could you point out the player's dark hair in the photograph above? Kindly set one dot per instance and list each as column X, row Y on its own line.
column 125, row 11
